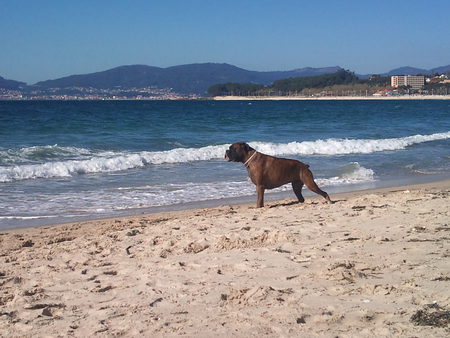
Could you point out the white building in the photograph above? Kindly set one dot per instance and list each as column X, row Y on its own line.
column 416, row 82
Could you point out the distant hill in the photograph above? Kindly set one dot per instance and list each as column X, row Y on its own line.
column 407, row 71
column 441, row 70
column 411, row 71
column 11, row 84
column 185, row 79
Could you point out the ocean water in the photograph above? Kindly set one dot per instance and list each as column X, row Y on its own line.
column 68, row 161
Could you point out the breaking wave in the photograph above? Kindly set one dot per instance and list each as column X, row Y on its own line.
column 55, row 161
column 345, row 146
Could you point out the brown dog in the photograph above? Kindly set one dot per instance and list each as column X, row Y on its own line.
column 268, row 172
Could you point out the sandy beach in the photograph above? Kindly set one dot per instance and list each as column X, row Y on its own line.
column 372, row 264
column 284, row 98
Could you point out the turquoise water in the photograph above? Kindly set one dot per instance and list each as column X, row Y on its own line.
column 62, row 161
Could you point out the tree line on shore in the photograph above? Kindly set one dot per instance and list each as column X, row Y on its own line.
column 341, row 83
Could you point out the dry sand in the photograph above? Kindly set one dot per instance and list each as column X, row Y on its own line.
column 344, row 98
column 360, row 267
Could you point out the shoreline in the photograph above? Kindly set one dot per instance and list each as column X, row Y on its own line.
column 371, row 186
column 343, row 98
column 363, row 266
column 232, row 201
column 241, row 202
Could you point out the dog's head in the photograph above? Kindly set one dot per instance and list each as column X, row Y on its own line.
column 238, row 152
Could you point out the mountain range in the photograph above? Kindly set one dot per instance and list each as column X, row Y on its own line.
column 185, row 79
column 188, row 79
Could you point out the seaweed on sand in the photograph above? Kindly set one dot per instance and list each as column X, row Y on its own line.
column 432, row 315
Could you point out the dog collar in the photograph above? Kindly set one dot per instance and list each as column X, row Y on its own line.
column 247, row 163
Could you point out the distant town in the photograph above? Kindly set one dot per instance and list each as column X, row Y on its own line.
column 81, row 93
column 375, row 86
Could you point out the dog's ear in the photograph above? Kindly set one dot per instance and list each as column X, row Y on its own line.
column 247, row 147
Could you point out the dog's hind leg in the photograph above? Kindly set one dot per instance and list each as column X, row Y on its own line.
column 311, row 185
column 297, row 187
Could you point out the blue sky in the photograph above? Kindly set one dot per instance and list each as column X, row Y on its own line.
column 49, row 39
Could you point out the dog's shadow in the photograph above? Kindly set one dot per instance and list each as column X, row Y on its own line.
column 288, row 204
column 284, row 204
column 291, row 203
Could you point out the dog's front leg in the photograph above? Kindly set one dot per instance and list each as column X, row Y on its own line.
column 260, row 190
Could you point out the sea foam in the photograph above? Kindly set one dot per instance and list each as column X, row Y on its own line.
column 344, row 146
column 106, row 200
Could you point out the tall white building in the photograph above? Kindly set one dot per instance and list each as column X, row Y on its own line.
column 416, row 82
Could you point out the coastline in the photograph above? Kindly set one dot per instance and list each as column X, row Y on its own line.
column 270, row 196
column 343, row 98
column 362, row 266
